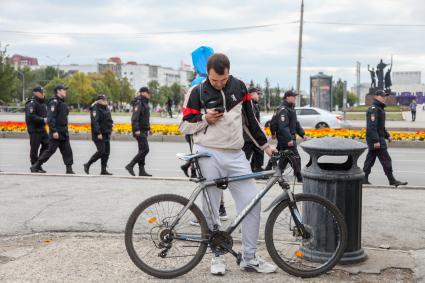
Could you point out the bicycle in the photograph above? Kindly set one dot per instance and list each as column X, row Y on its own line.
column 161, row 242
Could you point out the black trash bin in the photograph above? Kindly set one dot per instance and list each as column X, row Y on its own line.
column 341, row 183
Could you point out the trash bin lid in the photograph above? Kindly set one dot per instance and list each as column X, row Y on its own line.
column 333, row 146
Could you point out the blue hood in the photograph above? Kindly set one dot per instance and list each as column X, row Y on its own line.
column 199, row 59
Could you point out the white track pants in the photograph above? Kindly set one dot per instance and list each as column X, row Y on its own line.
column 229, row 163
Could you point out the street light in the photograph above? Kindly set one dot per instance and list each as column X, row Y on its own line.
column 23, row 85
column 58, row 62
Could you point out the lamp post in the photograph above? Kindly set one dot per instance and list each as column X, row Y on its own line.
column 58, row 62
column 23, row 85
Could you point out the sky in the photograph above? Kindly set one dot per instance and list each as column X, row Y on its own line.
column 92, row 31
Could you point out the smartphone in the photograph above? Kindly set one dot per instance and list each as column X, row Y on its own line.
column 219, row 109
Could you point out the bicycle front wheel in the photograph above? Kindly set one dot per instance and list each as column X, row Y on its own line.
column 159, row 249
column 313, row 249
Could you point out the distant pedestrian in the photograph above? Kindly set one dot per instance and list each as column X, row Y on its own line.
column 101, row 129
column 169, row 107
column 252, row 151
column 412, row 107
column 376, row 133
column 57, row 119
column 285, row 126
column 36, row 118
column 140, row 127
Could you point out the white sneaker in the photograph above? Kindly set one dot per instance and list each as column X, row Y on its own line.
column 257, row 264
column 218, row 265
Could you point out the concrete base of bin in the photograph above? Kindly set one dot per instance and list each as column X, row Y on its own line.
column 348, row 257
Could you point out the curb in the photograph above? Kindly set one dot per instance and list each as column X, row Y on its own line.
column 173, row 138
column 181, row 179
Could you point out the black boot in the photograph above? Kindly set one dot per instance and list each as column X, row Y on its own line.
column 185, row 168
column 366, row 180
column 41, row 170
column 142, row 172
column 87, row 167
column 130, row 169
column 394, row 182
column 69, row 169
column 103, row 171
column 35, row 168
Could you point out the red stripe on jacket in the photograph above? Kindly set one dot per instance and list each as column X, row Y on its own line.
column 247, row 97
column 188, row 111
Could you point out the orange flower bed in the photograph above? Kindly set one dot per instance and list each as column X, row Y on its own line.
column 173, row 129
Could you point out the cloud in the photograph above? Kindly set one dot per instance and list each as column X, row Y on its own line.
column 255, row 54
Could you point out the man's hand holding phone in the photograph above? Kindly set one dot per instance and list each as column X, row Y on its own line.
column 213, row 115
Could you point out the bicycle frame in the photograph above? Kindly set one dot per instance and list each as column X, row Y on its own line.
column 204, row 185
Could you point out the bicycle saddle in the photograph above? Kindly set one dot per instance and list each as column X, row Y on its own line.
column 191, row 156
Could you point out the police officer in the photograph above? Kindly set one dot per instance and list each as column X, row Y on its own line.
column 35, row 117
column 57, row 119
column 284, row 126
column 101, row 129
column 140, row 127
column 375, row 138
column 250, row 149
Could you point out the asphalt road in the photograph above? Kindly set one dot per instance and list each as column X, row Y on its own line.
column 409, row 164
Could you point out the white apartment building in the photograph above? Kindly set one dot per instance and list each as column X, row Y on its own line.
column 137, row 74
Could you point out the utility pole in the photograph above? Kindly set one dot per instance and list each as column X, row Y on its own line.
column 358, row 66
column 344, row 98
column 300, row 45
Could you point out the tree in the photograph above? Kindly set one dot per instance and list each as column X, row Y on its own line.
column 113, row 85
column 176, row 94
column 127, row 91
column 164, row 93
column 8, row 78
column 154, row 88
column 80, row 90
column 267, row 95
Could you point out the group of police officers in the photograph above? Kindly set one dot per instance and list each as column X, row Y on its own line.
column 284, row 127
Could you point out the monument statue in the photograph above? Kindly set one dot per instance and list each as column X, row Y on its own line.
column 388, row 82
column 372, row 77
column 380, row 74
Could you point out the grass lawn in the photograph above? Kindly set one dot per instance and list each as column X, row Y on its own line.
column 390, row 116
column 363, row 108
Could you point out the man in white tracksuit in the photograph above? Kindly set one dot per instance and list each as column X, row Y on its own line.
column 216, row 113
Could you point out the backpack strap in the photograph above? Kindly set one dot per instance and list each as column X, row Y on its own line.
column 201, row 97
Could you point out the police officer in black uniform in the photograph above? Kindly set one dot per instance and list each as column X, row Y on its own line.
column 251, row 149
column 101, row 129
column 57, row 119
column 284, row 126
column 140, row 127
column 375, row 138
column 36, row 117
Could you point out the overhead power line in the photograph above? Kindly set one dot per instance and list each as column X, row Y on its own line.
column 204, row 31
column 364, row 24
column 141, row 34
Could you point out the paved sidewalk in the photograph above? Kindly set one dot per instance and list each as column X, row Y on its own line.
column 69, row 228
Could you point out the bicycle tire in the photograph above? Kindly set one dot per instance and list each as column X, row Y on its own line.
column 269, row 239
column 129, row 237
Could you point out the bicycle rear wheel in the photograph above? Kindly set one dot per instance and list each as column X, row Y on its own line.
column 159, row 250
column 320, row 249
